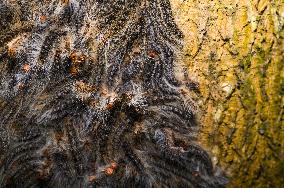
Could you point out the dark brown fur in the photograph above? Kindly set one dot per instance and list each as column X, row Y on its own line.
column 89, row 98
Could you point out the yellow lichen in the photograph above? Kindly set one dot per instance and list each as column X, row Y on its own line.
column 235, row 49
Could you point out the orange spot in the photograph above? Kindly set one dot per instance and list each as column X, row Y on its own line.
column 73, row 71
column 195, row 173
column 94, row 102
column 127, row 59
column 21, row 85
column 65, row 2
column 136, row 50
column 109, row 106
column 104, row 92
column 42, row 18
column 92, row 178
column 26, row 67
column 82, row 58
column 68, row 43
column 152, row 54
column 58, row 136
column 114, row 165
column 109, row 171
column 73, row 56
column 76, row 59
column 11, row 51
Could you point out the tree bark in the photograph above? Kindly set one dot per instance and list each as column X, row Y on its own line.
column 234, row 49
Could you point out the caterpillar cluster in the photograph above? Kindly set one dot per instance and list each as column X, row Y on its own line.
column 89, row 97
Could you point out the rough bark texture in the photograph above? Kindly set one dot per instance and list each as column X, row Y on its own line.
column 89, row 97
column 234, row 49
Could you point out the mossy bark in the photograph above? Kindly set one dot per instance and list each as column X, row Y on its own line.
column 235, row 49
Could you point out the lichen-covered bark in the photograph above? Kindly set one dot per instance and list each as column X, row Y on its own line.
column 235, row 49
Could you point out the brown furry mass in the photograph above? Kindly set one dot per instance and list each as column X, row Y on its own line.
column 89, row 97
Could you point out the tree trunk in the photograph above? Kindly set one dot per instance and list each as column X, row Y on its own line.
column 235, row 50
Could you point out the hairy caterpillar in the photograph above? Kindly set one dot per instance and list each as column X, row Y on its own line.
column 89, row 98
